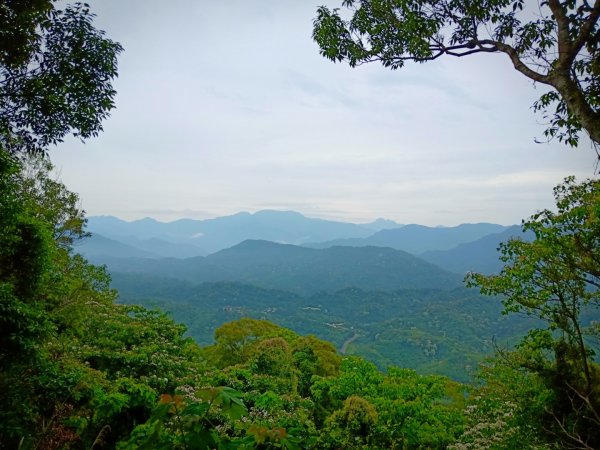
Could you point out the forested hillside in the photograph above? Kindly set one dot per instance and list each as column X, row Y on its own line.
column 298, row 269
column 433, row 331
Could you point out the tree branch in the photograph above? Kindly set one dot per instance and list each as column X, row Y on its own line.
column 439, row 50
column 579, row 443
column 564, row 40
column 586, row 400
column 586, row 28
column 514, row 57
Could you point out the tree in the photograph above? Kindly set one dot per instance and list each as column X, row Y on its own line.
column 505, row 410
column 236, row 341
column 555, row 43
column 351, row 426
column 412, row 411
column 556, row 279
column 75, row 368
column 56, row 73
column 25, row 252
column 18, row 23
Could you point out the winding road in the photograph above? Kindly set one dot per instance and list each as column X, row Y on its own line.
column 347, row 343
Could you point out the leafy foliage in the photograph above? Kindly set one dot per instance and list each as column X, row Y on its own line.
column 504, row 411
column 556, row 278
column 56, row 71
column 397, row 410
column 554, row 43
column 74, row 366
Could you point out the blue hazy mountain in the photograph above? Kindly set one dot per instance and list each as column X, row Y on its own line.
column 97, row 247
column 168, row 249
column 381, row 224
column 216, row 234
column 479, row 256
column 298, row 269
column 417, row 239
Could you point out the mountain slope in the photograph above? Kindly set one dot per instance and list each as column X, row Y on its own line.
column 222, row 232
column 298, row 269
column 478, row 256
column 98, row 247
column 168, row 249
column 433, row 331
column 417, row 239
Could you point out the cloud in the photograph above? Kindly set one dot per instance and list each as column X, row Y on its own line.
column 223, row 107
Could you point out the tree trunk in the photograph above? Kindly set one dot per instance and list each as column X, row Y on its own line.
column 577, row 103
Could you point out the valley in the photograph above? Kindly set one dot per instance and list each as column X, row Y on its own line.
column 390, row 305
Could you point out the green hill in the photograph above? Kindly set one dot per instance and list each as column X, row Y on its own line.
column 300, row 270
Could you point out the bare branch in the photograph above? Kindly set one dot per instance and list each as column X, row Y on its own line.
column 579, row 443
column 586, row 400
column 516, row 60
column 438, row 50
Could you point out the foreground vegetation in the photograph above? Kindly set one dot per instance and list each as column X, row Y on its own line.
column 81, row 371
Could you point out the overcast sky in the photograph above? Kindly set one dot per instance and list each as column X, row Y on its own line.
column 228, row 106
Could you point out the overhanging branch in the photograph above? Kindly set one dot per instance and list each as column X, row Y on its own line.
column 516, row 60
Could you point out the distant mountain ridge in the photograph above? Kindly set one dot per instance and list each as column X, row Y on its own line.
column 98, row 246
column 480, row 256
column 417, row 239
column 211, row 235
column 381, row 224
column 185, row 238
column 298, row 269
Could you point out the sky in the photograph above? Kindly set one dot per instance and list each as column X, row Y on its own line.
column 228, row 106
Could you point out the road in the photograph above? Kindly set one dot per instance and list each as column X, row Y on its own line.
column 347, row 343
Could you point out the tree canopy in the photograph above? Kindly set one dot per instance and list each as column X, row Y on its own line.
column 555, row 43
column 556, row 279
column 56, row 73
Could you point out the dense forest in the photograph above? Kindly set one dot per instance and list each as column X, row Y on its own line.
column 82, row 368
column 432, row 331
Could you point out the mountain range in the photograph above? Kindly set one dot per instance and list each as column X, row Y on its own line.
column 187, row 237
column 481, row 255
column 417, row 239
column 298, row 269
